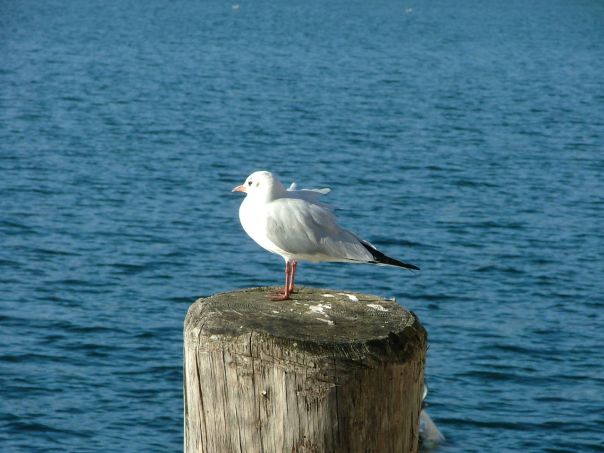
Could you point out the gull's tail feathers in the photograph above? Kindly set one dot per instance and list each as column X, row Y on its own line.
column 380, row 258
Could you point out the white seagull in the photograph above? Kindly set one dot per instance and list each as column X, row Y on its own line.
column 293, row 224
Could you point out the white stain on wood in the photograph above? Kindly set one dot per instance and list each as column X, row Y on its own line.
column 319, row 308
column 377, row 307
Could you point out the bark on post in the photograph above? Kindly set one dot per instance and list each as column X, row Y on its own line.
column 323, row 372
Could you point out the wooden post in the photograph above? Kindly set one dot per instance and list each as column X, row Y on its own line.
column 324, row 372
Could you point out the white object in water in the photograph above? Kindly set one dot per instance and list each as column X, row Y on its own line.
column 428, row 432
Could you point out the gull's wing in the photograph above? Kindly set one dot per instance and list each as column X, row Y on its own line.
column 310, row 231
column 306, row 194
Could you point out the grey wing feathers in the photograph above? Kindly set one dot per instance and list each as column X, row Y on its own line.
column 308, row 229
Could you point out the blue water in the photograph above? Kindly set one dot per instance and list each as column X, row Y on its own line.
column 465, row 137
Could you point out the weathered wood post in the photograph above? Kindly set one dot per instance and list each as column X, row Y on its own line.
column 323, row 372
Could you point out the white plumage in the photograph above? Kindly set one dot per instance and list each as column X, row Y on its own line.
column 294, row 224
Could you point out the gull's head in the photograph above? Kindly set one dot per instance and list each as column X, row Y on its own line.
column 261, row 184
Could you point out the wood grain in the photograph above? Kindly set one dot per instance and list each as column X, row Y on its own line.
column 323, row 372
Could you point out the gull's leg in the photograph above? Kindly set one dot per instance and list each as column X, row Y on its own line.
column 294, row 265
column 285, row 294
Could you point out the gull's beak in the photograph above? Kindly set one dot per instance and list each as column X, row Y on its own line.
column 239, row 189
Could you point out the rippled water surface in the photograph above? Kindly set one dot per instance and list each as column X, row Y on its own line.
column 465, row 137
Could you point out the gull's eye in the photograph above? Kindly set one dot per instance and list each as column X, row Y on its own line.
column 249, row 183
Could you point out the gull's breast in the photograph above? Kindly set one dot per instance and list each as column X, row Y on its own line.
column 253, row 218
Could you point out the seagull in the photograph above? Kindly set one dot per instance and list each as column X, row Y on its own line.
column 294, row 224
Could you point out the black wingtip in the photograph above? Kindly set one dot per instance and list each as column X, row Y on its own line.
column 380, row 258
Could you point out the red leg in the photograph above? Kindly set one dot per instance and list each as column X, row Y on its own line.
column 293, row 272
column 285, row 294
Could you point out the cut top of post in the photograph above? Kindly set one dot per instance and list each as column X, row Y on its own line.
column 313, row 318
